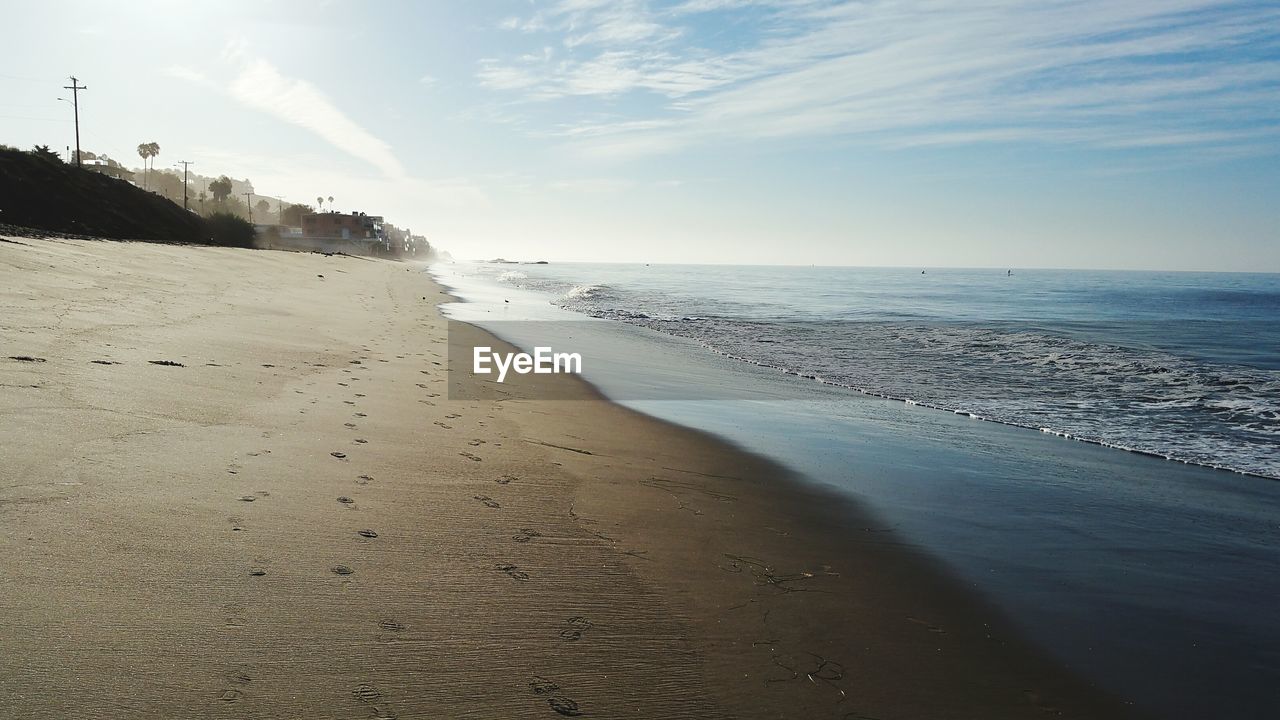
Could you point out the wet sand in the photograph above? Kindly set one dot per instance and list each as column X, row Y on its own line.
column 233, row 487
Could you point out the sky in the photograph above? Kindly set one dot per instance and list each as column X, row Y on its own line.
column 1142, row 134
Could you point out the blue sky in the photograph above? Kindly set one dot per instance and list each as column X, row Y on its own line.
column 1137, row 134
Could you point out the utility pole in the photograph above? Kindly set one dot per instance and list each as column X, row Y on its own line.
column 184, row 164
column 75, row 87
column 248, row 202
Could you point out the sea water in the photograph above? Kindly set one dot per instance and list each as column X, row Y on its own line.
column 953, row 402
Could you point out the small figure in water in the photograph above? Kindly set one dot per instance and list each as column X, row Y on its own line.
column 1009, row 273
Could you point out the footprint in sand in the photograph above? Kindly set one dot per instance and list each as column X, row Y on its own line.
column 476, row 443
column 577, row 625
column 349, row 425
column 542, row 686
column 488, row 501
column 339, row 455
column 166, row 363
column 367, row 533
column 564, row 706
column 514, row 572
column 469, row 456
column 230, row 695
column 345, row 500
column 443, row 425
column 390, row 625
column 364, row 479
column 548, row 689
column 341, row 570
column 360, row 441
column 526, row 534
column 505, row 479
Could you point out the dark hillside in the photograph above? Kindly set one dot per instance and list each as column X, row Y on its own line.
column 48, row 194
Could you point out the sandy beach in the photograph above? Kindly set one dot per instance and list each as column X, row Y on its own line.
column 233, row 487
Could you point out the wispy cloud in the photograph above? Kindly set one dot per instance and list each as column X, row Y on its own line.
column 261, row 86
column 258, row 84
column 186, row 74
column 1146, row 73
column 398, row 197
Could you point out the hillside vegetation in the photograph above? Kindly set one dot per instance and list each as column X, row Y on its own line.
column 38, row 190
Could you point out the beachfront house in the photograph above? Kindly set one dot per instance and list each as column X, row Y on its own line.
column 352, row 233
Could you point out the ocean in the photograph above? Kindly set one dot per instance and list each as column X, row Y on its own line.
column 1094, row 452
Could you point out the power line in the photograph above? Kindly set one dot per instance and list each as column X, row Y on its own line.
column 75, row 87
column 184, row 164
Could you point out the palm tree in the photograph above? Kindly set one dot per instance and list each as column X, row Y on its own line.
column 146, row 151
column 320, row 202
column 330, row 203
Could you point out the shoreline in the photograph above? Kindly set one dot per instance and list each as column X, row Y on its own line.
column 476, row 277
column 818, row 513
column 527, row 559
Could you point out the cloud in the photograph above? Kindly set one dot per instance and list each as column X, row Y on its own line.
column 581, row 186
column 187, row 74
column 259, row 85
column 1145, row 73
column 406, row 201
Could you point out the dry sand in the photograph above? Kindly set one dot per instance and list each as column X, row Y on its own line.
column 295, row 522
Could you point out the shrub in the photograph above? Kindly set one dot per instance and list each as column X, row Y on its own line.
column 44, row 153
column 229, row 230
